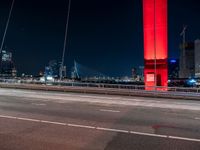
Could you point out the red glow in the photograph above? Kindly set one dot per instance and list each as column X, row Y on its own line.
column 155, row 41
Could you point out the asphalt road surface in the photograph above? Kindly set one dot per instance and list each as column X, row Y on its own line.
column 38, row 120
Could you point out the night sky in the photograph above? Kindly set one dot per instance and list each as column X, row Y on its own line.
column 105, row 35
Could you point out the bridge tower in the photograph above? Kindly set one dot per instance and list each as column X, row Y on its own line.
column 155, row 44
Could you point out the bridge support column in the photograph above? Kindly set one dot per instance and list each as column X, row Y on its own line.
column 155, row 44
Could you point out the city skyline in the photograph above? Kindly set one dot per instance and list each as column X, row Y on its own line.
column 102, row 34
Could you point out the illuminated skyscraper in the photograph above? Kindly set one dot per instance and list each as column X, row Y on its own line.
column 187, row 60
column 155, row 43
column 7, row 68
column 197, row 56
column 6, row 56
column 173, row 68
column 53, row 69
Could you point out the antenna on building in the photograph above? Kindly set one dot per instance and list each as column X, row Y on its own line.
column 183, row 34
column 65, row 41
column 5, row 31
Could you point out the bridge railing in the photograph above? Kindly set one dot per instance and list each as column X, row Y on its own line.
column 102, row 85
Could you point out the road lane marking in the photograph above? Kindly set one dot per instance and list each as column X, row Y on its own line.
column 197, row 118
column 100, row 128
column 52, row 122
column 39, row 104
column 184, row 139
column 109, row 110
column 80, row 126
column 148, row 134
column 113, row 130
column 8, row 117
column 27, row 119
column 61, row 102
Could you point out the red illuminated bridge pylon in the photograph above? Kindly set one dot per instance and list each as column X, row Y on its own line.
column 155, row 44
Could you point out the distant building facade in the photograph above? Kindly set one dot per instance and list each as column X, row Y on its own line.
column 173, row 68
column 53, row 69
column 187, row 61
column 134, row 73
column 7, row 68
column 197, row 58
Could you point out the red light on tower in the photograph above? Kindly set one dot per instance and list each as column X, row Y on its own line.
column 155, row 43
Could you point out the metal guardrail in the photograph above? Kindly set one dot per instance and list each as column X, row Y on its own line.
column 109, row 89
column 102, row 85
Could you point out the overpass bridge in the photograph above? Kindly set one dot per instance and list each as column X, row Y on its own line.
column 35, row 119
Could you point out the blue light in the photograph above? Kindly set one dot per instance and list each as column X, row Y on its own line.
column 173, row 61
column 192, row 81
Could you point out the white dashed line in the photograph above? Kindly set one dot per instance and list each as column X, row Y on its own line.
column 39, row 104
column 61, row 102
column 100, row 128
column 109, row 110
column 197, row 118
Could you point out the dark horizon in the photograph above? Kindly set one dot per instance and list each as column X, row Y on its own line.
column 103, row 35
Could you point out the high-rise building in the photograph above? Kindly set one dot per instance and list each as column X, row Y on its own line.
column 173, row 68
column 54, row 65
column 197, row 57
column 187, row 63
column 6, row 56
column 7, row 68
column 134, row 72
column 54, row 68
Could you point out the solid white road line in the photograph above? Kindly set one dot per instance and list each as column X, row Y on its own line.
column 80, row 126
column 109, row 110
column 100, row 128
column 27, row 119
column 148, row 134
column 113, row 130
column 52, row 122
column 184, row 139
column 8, row 117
